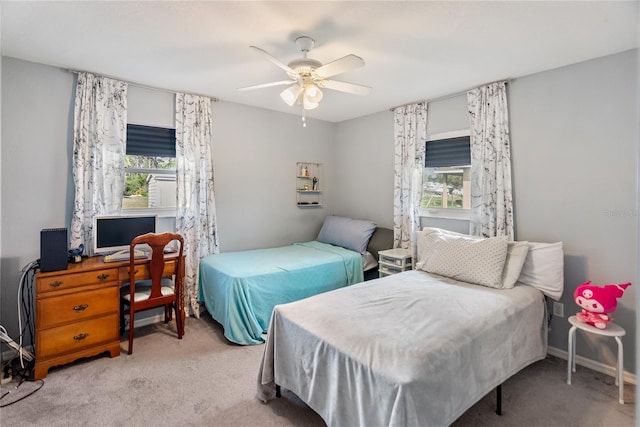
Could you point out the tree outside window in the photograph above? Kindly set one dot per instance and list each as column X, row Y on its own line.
column 150, row 182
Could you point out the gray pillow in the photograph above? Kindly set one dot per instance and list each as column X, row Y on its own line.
column 349, row 233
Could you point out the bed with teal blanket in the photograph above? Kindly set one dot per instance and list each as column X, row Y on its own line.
column 240, row 289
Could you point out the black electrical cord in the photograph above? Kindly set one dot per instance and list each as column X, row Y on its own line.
column 29, row 325
column 27, row 302
column 24, row 371
column 41, row 383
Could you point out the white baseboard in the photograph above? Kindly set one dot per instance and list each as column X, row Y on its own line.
column 156, row 318
column 592, row 364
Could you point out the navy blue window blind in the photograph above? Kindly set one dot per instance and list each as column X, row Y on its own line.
column 448, row 152
column 151, row 141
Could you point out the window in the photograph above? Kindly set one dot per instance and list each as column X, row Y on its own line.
column 150, row 168
column 447, row 174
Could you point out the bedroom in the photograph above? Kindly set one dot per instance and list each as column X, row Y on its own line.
column 575, row 154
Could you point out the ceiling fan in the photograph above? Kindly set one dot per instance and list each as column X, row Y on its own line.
column 307, row 76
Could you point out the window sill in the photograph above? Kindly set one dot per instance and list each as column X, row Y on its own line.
column 459, row 214
column 161, row 212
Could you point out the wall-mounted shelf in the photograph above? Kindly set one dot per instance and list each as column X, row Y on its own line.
column 309, row 182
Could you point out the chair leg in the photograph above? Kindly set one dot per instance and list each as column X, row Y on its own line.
column 121, row 317
column 179, row 320
column 131, row 321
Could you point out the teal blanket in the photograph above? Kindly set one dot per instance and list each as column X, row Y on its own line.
column 240, row 289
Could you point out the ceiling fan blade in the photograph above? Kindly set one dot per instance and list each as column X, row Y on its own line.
column 280, row 83
column 339, row 66
column 344, row 87
column 274, row 60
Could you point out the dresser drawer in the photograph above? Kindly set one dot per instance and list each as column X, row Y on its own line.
column 78, row 306
column 143, row 271
column 69, row 281
column 77, row 336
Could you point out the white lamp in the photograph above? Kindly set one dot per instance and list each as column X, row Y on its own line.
column 313, row 93
column 311, row 97
column 290, row 94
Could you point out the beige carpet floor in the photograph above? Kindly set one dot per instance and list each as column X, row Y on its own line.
column 203, row 380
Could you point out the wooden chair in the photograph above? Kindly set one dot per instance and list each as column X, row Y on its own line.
column 165, row 288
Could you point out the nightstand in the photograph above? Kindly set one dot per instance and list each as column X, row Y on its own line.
column 393, row 261
column 612, row 330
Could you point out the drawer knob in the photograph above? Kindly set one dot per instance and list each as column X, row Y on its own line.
column 81, row 307
column 55, row 284
column 103, row 276
column 80, row 337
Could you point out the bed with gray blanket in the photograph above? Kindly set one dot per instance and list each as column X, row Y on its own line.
column 411, row 349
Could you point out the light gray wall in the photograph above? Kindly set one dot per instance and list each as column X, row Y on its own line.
column 574, row 133
column 254, row 160
column 574, row 155
column 364, row 168
column 37, row 189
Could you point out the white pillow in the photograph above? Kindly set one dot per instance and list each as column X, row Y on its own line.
column 516, row 256
column 467, row 258
column 544, row 268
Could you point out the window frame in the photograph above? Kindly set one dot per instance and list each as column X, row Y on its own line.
column 446, row 213
column 160, row 212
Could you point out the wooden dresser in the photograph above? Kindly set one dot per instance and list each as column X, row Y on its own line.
column 78, row 309
column 77, row 313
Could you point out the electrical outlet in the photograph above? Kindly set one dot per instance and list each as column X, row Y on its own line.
column 558, row 309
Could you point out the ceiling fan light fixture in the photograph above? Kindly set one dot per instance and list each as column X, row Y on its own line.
column 291, row 94
column 309, row 77
column 313, row 93
column 308, row 104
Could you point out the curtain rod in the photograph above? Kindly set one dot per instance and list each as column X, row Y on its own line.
column 140, row 85
column 452, row 95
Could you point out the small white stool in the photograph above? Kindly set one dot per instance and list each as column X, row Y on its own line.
column 612, row 330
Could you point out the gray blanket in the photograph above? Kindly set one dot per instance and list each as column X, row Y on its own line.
column 412, row 349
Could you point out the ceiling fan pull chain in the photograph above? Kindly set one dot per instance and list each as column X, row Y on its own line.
column 304, row 117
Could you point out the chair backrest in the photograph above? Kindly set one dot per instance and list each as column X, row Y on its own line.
column 157, row 243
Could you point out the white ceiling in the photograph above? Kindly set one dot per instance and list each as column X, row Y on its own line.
column 413, row 50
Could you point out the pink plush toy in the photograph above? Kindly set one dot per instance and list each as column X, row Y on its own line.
column 598, row 302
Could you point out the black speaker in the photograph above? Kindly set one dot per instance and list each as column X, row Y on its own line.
column 54, row 251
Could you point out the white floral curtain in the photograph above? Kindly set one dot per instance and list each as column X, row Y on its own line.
column 196, row 211
column 410, row 134
column 491, row 197
column 99, row 135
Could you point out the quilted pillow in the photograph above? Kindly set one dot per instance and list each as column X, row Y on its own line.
column 544, row 268
column 349, row 233
column 469, row 259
